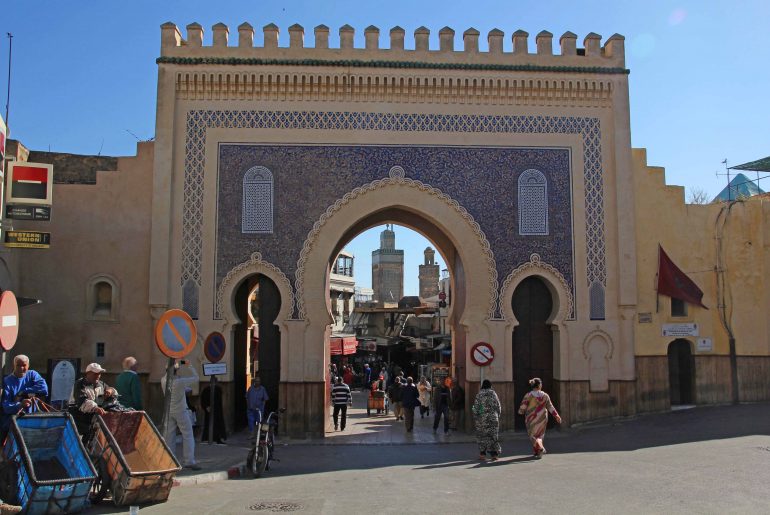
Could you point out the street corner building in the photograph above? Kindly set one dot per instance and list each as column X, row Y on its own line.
column 517, row 166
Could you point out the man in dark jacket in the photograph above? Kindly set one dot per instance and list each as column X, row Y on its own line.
column 410, row 399
column 395, row 394
column 441, row 405
column 457, row 405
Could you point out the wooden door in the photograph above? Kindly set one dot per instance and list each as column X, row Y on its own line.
column 269, row 339
column 681, row 373
column 532, row 340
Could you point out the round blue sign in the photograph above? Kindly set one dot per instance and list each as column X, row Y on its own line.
column 215, row 346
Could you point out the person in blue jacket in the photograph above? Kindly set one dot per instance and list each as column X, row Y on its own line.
column 19, row 390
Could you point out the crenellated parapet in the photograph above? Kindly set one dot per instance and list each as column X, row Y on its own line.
column 607, row 58
column 291, row 68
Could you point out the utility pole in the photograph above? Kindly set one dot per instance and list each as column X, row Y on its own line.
column 8, row 93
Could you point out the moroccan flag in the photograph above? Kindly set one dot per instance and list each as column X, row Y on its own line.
column 29, row 182
column 675, row 283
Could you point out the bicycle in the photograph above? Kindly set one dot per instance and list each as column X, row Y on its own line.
column 262, row 451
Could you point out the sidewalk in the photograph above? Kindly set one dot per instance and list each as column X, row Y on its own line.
column 220, row 462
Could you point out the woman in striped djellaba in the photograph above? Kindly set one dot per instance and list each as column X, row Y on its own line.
column 535, row 407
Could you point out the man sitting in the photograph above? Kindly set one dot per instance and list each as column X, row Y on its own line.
column 19, row 391
column 92, row 397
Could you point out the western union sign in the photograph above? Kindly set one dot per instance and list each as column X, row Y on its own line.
column 28, row 239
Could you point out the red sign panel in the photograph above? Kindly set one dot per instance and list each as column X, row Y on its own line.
column 9, row 320
column 442, row 296
column 482, row 354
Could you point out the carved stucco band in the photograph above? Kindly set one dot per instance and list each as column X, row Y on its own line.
column 381, row 183
column 257, row 265
column 536, row 264
column 603, row 335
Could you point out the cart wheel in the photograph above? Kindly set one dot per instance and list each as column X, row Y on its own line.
column 259, row 463
column 101, row 484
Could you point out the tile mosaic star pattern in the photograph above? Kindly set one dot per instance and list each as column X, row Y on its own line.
column 198, row 121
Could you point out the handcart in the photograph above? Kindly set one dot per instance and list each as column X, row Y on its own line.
column 45, row 468
column 132, row 459
column 377, row 402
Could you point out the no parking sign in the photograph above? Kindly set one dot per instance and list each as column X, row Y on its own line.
column 175, row 334
column 482, row 354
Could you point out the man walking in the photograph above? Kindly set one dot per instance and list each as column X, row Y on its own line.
column 441, row 405
column 410, row 400
column 457, row 405
column 341, row 399
column 129, row 386
column 395, row 394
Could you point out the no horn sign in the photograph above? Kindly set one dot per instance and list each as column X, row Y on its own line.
column 482, row 354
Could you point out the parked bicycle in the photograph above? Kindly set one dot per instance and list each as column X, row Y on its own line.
column 262, row 450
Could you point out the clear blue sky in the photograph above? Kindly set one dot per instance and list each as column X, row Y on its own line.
column 84, row 71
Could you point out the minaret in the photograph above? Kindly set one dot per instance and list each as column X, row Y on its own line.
column 388, row 269
column 429, row 273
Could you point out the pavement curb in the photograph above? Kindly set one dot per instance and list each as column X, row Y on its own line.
column 198, row 479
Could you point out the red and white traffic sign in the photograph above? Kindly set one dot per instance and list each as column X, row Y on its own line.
column 9, row 320
column 441, row 296
column 482, row 354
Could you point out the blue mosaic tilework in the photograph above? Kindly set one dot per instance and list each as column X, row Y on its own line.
column 198, row 121
column 310, row 178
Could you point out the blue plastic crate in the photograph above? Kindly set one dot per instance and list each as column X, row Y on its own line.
column 53, row 472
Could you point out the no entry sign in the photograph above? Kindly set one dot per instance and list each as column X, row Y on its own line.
column 175, row 334
column 214, row 347
column 482, row 354
column 9, row 320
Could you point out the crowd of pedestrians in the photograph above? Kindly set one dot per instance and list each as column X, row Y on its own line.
column 447, row 402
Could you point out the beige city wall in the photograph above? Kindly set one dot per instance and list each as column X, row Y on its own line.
column 97, row 229
column 691, row 235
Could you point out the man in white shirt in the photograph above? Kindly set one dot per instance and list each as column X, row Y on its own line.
column 178, row 415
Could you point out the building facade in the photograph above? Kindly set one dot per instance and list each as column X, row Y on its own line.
column 429, row 275
column 517, row 165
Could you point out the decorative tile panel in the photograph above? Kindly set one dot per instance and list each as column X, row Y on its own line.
column 199, row 121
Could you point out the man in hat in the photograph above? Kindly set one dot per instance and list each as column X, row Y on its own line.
column 93, row 396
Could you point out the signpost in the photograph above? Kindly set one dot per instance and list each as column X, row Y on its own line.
column 9, row 322
column 175, row 336
column 482, row 355
column 214, row 349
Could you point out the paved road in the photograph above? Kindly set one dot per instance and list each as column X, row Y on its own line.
column 703, row 460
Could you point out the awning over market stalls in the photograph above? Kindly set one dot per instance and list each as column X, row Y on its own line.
column 343, row 345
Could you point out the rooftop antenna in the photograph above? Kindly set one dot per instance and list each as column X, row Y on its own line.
column 727, row 172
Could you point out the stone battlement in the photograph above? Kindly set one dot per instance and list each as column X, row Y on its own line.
column 540, row 56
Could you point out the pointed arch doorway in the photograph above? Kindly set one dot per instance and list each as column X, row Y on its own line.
column 257, row 342
column 533, row 351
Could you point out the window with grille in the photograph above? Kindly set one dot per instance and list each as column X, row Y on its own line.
column 533, row 204
column 257, row 215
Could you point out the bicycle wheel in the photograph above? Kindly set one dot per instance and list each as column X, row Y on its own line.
column 259, row 464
